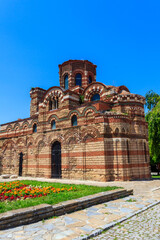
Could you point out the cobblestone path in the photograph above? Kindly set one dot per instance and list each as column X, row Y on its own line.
column 144, row 226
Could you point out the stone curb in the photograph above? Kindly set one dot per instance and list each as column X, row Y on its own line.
column 34, row 214
column 112, row 224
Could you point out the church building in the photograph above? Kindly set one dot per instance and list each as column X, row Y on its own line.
column 82, row 129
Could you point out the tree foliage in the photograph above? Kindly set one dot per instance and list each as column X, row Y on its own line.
column 152, row 99
column 153, row 119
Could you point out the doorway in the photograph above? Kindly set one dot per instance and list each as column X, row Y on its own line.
column 20, row 163
column 56, row 171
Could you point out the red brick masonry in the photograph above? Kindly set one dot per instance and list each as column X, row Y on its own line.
column 109, row 141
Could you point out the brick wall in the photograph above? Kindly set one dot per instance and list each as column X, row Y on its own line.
column 110, row 140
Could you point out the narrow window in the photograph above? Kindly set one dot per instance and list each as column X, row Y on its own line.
column 50, row 105
column 78, row 79
column 116, row 132
column 95, row 97
column 53, row 124
column 128, row 157
column 66, row 82
column 145, row 152
column 35, row 128
column 74, row 120
column 90, row 79
column 55, row 102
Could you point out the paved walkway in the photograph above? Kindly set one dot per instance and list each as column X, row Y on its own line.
column 90, row 221
column 145, row 225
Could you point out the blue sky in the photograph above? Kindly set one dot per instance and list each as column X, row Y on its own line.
column 121, row 37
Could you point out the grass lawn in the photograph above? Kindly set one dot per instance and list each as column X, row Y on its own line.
column 53, row 198
column 155, row 176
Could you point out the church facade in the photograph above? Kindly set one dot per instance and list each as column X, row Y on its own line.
column 82, row 129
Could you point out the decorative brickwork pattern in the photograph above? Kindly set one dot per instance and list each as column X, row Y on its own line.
column 108, row 142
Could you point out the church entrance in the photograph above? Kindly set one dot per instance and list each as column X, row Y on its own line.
column 20, row 163
column 56, row 160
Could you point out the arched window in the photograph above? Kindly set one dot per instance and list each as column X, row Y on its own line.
column 66, row 82
column 95, row 97
column 78, row 79
column 116, row 131
column 90, row 79
column 123, row 130
column 35, row 128
column 74, row 120
column 53, row 124
column 53, row 103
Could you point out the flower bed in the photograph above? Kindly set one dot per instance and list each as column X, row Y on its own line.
column 27, row 193
column 17, row 191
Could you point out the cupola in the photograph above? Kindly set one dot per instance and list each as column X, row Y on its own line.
column 74, row 73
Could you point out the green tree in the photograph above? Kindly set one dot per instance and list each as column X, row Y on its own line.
column 152, row 99
column 153, row 119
